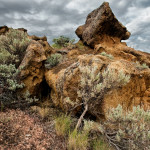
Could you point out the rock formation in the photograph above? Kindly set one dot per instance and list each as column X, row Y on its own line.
column 32, row 73
column 33, row 70
column 3, row 30
column 102, row 32
column 102, row 26
column 65, row 84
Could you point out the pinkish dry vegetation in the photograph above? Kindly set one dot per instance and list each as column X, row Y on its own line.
column 22, row 131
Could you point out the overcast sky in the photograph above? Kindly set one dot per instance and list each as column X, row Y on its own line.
column 61, row 17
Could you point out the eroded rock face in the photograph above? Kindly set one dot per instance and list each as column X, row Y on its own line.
column 3, row 30
column 102, row 32
column 33, row 70
column 43, row 41
column 36, row 38
column 65, row 84
column 102, row 26
column 32, row 73
column 22, row 29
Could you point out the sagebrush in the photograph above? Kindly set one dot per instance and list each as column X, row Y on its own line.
column 62, row 41
column 131, row 129
column 141, row 66
column 53, row 60
column 12, row 49
column 94, row 85
column 107, row 55
column 12, row 46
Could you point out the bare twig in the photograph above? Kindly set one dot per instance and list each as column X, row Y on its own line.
column 110, row 141
column 81, row 117
column 76, row 106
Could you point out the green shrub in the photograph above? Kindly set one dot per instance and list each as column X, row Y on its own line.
column 12, row 49
column 13, row 46
column 62, row 125
column 78, row 140
column 91, row 125
column 80, row 45
column 99, row 144
column 131, row 129
column 62, row 41
column 56, row 46
column 141, row 66
column 53, row 60
column 107, row 55
column 94, row 84
column 9, row 75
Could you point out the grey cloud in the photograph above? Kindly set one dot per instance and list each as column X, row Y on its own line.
column 142, row 3
column 16, row 6
column 54, row 17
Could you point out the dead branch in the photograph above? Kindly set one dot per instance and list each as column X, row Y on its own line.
column 81, row 117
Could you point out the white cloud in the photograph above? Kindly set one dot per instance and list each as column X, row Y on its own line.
column 138, row 19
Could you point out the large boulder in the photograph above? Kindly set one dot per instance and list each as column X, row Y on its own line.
column 102, row 26
column 65, row 83
column 3, row 30
column 36, row 38
column 32, row 73
column 43, row 41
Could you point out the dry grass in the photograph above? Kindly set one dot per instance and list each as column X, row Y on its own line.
column 62, row 125
column 78, row 141
column 44, row 112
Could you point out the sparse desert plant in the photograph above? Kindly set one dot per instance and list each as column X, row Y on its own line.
column 68, row 101
column 62, row 125
column 131, row 130
column 99, row 144
column 94, row 85
column 107, row 55
column 43, row 111
column 53, row 60
column 91, row 125
column 80, row 45
column 62, row 41
column 12, row 48
column 88, row 125
column 78, row 140
column 141, row 66
column 9, row 82
column 27, row 97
